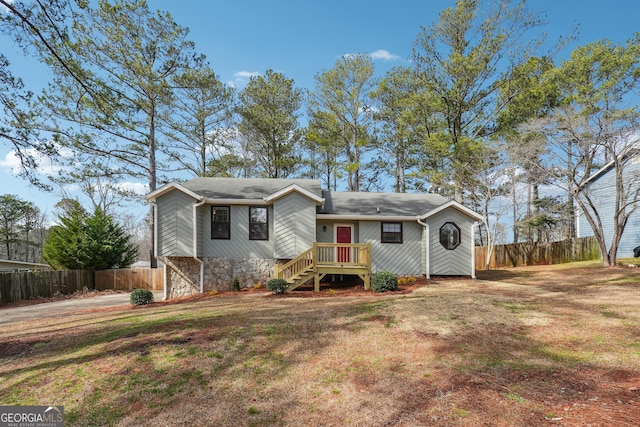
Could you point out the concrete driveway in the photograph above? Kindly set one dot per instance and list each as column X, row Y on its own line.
column 59, row 308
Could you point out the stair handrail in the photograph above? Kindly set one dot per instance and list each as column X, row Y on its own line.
column 296, row 265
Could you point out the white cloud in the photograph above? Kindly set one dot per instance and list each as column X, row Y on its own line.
column 244, row 75
column 11, row 162
column 134, row 187
column 384, row 55
column 379, row 54
column 5, row 9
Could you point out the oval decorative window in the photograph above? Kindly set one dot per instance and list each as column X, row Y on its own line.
column 450, row 236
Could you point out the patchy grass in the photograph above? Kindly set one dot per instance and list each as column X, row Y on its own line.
column 545, row 345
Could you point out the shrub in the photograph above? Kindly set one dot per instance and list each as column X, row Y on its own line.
column 384, row 281
column 88, row 242
column 141, row 296
column 402, row 281
column 277, row 286
column 411, row 279
column 236, row 284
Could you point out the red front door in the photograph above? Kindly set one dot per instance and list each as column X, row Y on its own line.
column 343, row 235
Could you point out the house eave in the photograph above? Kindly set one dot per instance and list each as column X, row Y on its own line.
column 455, row 205
column 6, row 264
column 153, row 196
column 252, row 202
column 627, row 152
column 366, row 217
column 294, row 187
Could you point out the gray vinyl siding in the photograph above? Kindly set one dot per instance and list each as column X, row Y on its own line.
column 204, row 215
column 328, row 235
column 603, row 192
column 294, row 225
column 239, row 245
column 175, row 224
column 324, row 232
column 455, row 262
column 405, row 258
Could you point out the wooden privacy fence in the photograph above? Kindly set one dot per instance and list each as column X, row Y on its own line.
column 47, row 283
column 519, row 254
column 26, row 285
column 128, row 279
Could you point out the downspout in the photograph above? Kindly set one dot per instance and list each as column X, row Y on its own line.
column 195, row 243
column 164, row 279
column 165, row 291
column 473, row 249
column 426, row 248
column 155, row 229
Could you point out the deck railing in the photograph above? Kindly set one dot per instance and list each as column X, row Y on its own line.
column 343, row 254
column 327, row 258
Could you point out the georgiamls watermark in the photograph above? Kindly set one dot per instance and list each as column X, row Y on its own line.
column 31, row 416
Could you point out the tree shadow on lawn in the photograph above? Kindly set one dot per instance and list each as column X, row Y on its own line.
column 226, row 361
column 564, row 277
column 137, row 364
column 510, row 378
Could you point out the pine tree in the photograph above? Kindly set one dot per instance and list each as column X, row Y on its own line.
column 88, row 242
column 63, row 248
column 107, row 243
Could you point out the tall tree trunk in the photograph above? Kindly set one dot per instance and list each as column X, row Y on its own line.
column 536, row 210
column 153, row 182
column 515, row 205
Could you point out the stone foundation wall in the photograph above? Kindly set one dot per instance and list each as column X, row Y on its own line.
column 183, row 274
column 183, row 277
column 219, row 272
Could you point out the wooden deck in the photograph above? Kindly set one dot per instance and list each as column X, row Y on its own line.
column 327, row 258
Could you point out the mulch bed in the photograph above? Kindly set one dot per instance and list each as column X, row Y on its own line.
column 349, row 286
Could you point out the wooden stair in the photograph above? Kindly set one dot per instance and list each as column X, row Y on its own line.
column 300, row 279
column 298, row 271
column 326, row 258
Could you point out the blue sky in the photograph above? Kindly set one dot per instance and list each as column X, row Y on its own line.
column 302, row 38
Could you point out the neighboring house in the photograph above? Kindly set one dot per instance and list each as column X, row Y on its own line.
column 210, row 230
column 8, row 265
column 601, row 187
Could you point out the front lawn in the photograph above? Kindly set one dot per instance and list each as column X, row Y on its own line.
column 519, row 347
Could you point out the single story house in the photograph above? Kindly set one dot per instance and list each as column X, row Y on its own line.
column 14, row 266
column 211, row 230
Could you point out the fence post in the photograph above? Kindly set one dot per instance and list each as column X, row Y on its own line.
column 519, row 254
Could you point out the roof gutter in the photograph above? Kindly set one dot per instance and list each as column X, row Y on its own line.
column 234, row 201
column 366, row 217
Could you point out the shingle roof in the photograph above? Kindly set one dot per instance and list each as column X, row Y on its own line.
column 336, row 202
column 247, row 188
column 385, row 204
